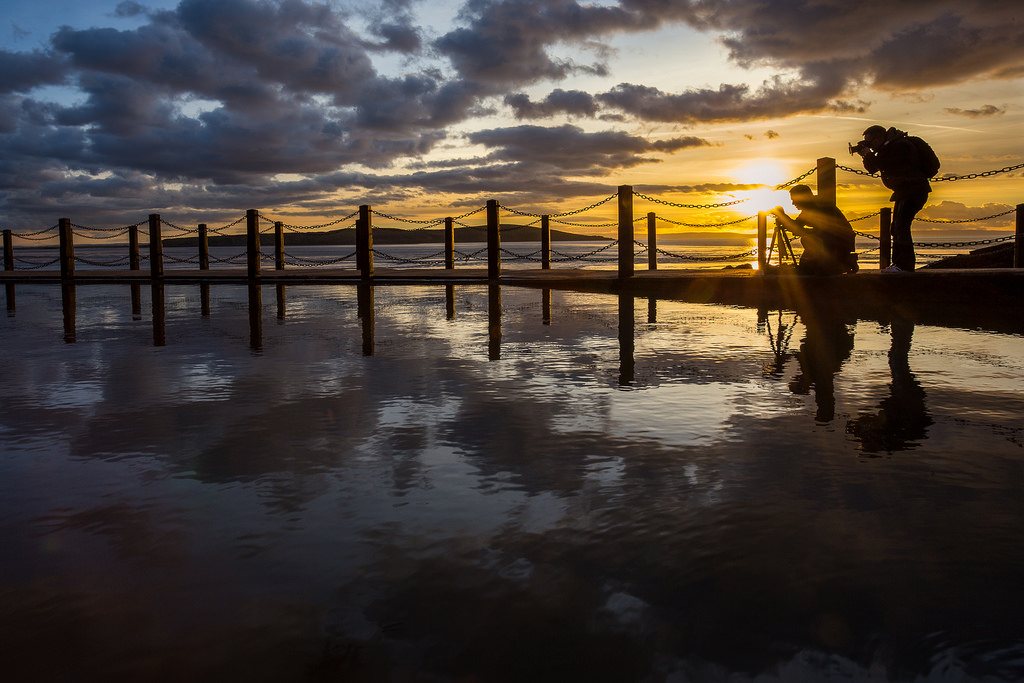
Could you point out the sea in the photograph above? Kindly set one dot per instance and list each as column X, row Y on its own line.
column 491, row 483
column 672, row 253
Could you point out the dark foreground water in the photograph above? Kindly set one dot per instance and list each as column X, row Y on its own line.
column 431, row 484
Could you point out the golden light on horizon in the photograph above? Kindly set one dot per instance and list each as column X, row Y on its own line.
column 769, row 174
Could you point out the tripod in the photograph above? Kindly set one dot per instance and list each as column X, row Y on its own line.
column 780, row 237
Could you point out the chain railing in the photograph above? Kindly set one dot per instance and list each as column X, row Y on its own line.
column 265, row 224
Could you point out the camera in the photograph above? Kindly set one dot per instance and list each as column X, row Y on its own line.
column 855, row 148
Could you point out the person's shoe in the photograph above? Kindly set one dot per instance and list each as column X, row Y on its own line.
column 892, row 269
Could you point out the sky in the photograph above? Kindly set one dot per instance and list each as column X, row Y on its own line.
column 200, row 109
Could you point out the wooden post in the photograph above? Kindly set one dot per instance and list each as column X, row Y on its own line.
column 278, row 245
column 885, row 238
column 826, row 173
column 545, row 242
column 626, row 266
column 67, row 248
column 364, row 243
column 493, row 240
column 156, row 247
column 252, row 242
column 762, row 242
column 134, row 260
column 652, row 241
column 1018, row 245
column 8, row 250
column 204, row 247
column 449, row 243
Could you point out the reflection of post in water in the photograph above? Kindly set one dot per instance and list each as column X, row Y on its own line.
column 825, row 347
column 778, row 340
column 546, row 306
column 364, row 302
column 627, row 343
column 902, row 419
column 204, row 299
column 280, row 302
column 136, row 302
column 159, row 315
column 652, row 311
column 449, row 302
column 493, row 322
column 67, row 304
column 255, row 316
column 9, row 290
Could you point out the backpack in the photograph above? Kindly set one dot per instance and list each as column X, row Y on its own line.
column 926, row 155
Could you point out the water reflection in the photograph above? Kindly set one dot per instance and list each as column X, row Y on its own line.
column 159, row 314
column 901, row 420
column 68, row 298
column 826, row 345
column 537, row 488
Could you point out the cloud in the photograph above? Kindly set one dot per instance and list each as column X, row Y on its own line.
column 958, row 211
column 219, row 97
column 569, row 148
column 570, row 102
column 506, row 43
column 23, row 71
column 776, row 98
column 983, row 112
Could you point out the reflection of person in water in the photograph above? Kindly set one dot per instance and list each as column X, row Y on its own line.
column 902, row 419
column 825, row 347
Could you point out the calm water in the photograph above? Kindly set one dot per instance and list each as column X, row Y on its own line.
column 473, row 484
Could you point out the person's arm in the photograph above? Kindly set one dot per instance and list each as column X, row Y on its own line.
column 793, row 225
column 870, row 159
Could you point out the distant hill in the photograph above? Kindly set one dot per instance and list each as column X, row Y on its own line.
column 996, row 256
column 343, row 236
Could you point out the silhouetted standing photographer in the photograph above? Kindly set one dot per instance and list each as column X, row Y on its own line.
column 906, row 163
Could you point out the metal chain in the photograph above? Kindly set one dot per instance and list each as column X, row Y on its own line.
column 30, row 235
column 689, row 206
column 564, row 213
column 308, row 262
column 939, row 179
column 35, row 266
column 965, row 220
column 864, row 218
column 110, row 264
column 706, row 225
column 111, row 236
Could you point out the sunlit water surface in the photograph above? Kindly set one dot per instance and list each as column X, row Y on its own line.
column 421, row 484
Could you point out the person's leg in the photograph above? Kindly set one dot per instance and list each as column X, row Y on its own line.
column 903, row 212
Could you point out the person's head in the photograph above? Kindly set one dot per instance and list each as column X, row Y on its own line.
column 874, row 136
column 801, row 196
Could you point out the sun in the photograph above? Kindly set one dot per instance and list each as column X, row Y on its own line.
column 769, row 175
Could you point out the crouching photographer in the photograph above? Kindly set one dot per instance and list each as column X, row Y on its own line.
column 826, row 235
